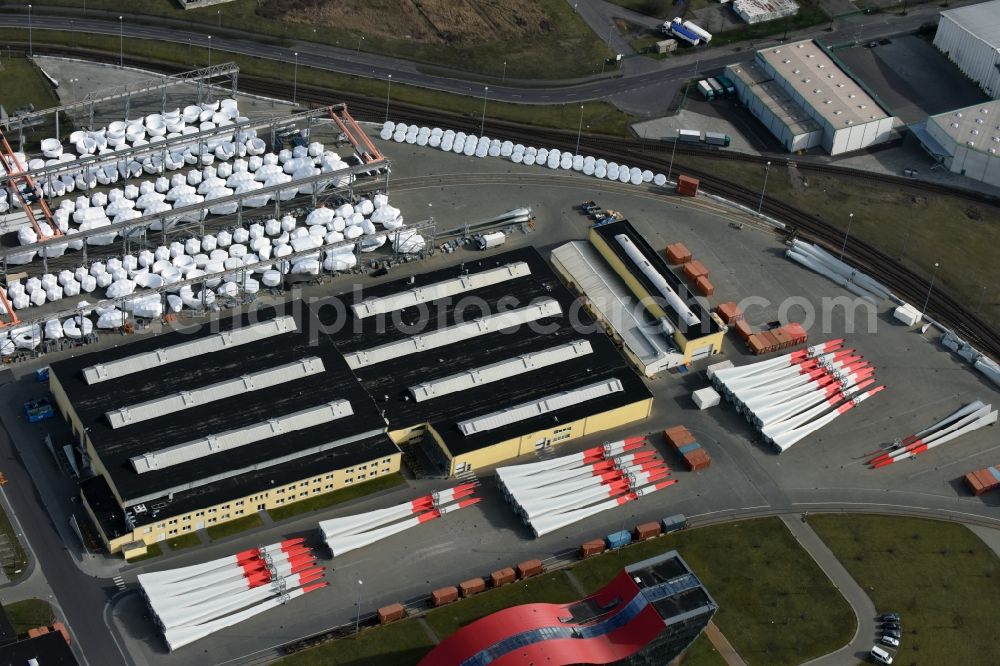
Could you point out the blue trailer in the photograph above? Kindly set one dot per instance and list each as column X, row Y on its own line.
column 618, row 539
column 682, row 33
column 674, row 523
column 39, row 409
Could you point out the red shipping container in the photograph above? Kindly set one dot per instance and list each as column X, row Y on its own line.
column 784, row 340
column 591, row 548
column 703, row 286
column 471, row 587
column 796, row 332
column 444, row 595
column 677, row 253
column 679, row 438
column 687, row 186
column 756, row 344
column 744, row 330
column 529, row 568
column 694, row 269
column 391, row 613
column 502, row 577
column 647, row 531
column 729, row 312
column 770, row 342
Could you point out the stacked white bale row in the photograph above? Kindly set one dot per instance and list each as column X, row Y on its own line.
column 555, row 493
column 482, row 146
column 819, row 260
column 789, row 397
column 349, row 533
column 969, row 418
column 221, row 257
column 193, row 602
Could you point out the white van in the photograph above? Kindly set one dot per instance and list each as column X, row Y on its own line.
column 881, row 656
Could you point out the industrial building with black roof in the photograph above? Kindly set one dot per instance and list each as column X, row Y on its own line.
column 474, row 364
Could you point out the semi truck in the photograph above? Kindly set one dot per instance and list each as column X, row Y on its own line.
column 706, row 90
column 717, row 139
column 726, row 84
column 688, row 136
column 695, row 29
column 717, row 87
column 683, row 34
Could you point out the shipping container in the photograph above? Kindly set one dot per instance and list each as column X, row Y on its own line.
column 743, row 329
column 729, row 312
column 688, row 448
column 718, row 139
column 784, row 340
column 467, row 588
column 719, row 91
column 529, row 568
column 591, row 548
column 677, row 436
column 647, row 531
column 618, row 539
column 770, row 342
column 704, row 286
column 698, row 460
column 755, row 344
column 391, row 613
column 694, row 269
column 983, row 480
column 502, row 577
column 796, row 332
column 706, row 397
column 444, row 595
column 706, row 90
column 688, row 136
column 726, row 84
column 677, row 254
column 674, row 523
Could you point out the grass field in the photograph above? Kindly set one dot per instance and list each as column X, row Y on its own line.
column 601, row 117
column 229, row 528
column 702, row 653
column 940, row 577
column 29, row 614
column 772, row 614
column 152, row 550
column 183, row 541
column 399, row 644
column 658, row 8
column 538, row 39
column 24, row 84
column 327, row 500
column 920, row 230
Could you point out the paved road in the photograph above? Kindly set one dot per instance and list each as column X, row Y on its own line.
column 861, row 604
column 638, row 73
column 722, row 644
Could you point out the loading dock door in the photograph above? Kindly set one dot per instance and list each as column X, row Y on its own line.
column 702, row 352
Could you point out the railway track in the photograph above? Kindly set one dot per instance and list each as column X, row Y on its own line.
column 907, row 283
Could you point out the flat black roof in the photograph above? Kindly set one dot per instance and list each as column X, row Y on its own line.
column 609, row 230
column 7, row 633
column 116, row 446
column 388, row 382
column 48, row 649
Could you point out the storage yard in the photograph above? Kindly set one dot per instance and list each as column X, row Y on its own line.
column 615, row 323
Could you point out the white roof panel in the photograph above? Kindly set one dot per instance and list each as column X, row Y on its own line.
column 432, row 292
column 232, row 439
column 182, row 400
column 205, row 345
column 452, row 334
column 499, row 371
column 541, row 406
column 981, row 19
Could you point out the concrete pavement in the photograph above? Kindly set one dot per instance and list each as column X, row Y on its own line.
column 861, row 604
column 722, row 644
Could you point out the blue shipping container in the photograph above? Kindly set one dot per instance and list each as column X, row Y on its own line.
column 42, row 374
column 688, row 448
column 618, row 539
column 674, row 523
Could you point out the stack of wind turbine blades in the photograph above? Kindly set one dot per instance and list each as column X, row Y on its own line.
column 822, row 391
column 725, row 375
column 969, row 418
column 784, row 440
column 192, row 602
column 343, row 535
column 781, row 383
column 555, row 521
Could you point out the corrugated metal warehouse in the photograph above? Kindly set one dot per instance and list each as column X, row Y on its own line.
column 794, row 83
column 970, row 37
column 473, row 364
column 967, row 140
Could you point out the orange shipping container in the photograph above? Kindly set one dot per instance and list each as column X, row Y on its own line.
column 756, row 344
column 678, row 253
column 703, row 286
column 744, row 330
column 444, row 595
column 529, row 568
column 502, row 577
column 687, row 186
column 391, row 613
column 694, row 269
column 591, row 548
column 471, row 586
column 796, row 332
column 647, row 531
column 770, row 342
column 678, row 437
column 729, row 312
column 784, row 340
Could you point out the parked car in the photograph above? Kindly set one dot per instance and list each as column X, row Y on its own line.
column 892, row 625
column 889, row 617
column 881, row 656
column 892, row 632
column 890, row 641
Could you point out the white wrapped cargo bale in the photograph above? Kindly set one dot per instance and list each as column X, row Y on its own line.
column 705, row 397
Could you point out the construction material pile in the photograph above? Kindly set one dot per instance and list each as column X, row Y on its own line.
column 193, row 602
column 819, row 260
column 972, row 417
column 349, row 533
column 792, row 396
column 556, row 493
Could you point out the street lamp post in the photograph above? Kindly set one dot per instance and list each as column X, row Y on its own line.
column 388, row 90
column 850, row 220
column 357, row 621
column 31, row 49
column 295, row 79
column 121, row 41
column 923, row 313
column 579, row 129
column 357, row 51
column 218, row 13
column 482, row 126
column 673, row 151
column 760, row 206
column 210, row 50
column 504, row 71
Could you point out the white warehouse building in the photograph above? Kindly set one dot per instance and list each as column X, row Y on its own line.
column 970, row 37
column 967, row 141
column 807, row 100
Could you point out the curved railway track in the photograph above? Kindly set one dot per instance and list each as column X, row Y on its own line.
column 907, row 283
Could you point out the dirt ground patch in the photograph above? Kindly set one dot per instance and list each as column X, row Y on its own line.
column 423, row 21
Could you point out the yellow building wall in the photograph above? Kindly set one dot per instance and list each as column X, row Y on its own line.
column 169, row 527
column 554, row 436
column 687, row 347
